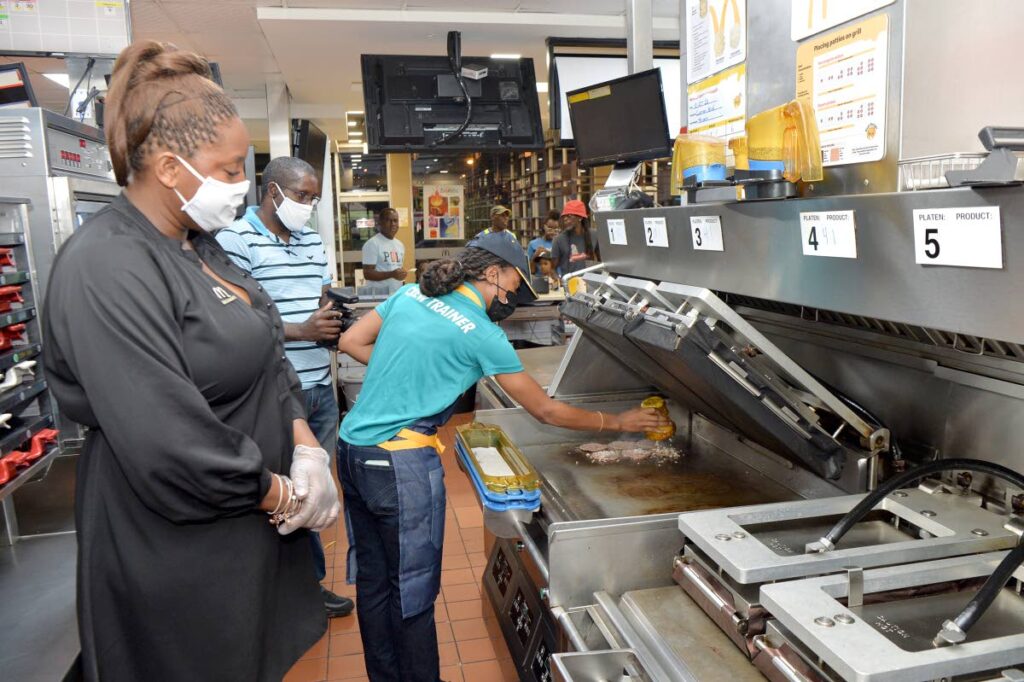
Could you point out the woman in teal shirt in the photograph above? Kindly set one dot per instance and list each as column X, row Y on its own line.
column 424, row 347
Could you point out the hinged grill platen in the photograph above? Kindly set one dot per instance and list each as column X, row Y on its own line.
column 692, row 345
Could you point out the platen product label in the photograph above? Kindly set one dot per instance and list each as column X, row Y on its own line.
column 655, row 232
column 828, row 233
column 967, row 237
column 617, row 231
column 706, row 231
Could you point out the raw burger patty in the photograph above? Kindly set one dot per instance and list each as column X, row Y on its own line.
column 593, row 447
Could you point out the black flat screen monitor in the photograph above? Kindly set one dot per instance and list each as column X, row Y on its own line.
column 620, row 121
column 15, row 88
column 413, row 102
column 309, row 143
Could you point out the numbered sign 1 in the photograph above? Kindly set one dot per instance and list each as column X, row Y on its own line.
column 655, row 232
column 828, row 233
column 617, row 231
column 967, row 237
column 706, row 231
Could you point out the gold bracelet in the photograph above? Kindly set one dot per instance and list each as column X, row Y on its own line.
column 601, row 415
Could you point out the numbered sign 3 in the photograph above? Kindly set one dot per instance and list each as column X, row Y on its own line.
column 706, row 231
column 967, row 237
column 828, row 233
column 655, row 232
column 617, row 231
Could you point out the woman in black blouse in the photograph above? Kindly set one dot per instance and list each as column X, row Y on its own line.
column 174, row 360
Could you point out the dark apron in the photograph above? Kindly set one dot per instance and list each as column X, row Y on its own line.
column 419, row 479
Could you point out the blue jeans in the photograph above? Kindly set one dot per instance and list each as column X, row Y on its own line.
column 322, row 416
column 394, row 558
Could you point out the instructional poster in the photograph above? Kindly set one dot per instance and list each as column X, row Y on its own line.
column 443, row 215
column 93, row 27
column 716, row 36
column 717, row 106
column 815, row 16
column 844, row 77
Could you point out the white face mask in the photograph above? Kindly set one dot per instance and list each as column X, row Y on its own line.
column 292, row 214
column 215, row 203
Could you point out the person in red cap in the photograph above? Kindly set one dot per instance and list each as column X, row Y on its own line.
column 574, row 246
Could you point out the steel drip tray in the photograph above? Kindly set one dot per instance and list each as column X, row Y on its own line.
column 888, row 639
column 764, row 543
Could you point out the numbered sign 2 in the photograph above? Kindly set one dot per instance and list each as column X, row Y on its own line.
column 655, row 232
column 617, row 231
column 828, row 233
column 706, row 231
column 968, row 237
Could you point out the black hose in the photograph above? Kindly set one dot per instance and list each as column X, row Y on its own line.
column 866, row 415
column 854, row 516
column 85, row 74
column 455, row 62
column 990, row 590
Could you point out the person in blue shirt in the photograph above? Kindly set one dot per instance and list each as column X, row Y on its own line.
column 424, row 347
column 274, row 245
column 552, row 226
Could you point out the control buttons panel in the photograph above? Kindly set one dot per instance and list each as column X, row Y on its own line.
column 78, row 154
column 540, row 665
column 522, row 618
column 501, row 572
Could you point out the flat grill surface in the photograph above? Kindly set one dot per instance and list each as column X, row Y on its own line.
column 701, row 479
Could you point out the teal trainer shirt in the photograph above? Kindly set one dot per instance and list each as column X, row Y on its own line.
column 429, row 352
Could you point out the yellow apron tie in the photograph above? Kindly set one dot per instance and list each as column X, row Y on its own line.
column 408, row 439
column 470, row 293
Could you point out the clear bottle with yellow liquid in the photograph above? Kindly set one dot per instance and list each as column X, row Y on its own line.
column 656, row 402
column 786, row 139
column 696, row 158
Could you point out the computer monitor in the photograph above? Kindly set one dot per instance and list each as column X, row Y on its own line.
column 413, row 103
column 15, row 88
column 620, row 121
column 309, row 143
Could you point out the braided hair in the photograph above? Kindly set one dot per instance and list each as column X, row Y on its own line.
column 161, row 97
column 444, row 276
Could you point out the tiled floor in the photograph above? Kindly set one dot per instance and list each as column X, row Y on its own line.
column 470, row 643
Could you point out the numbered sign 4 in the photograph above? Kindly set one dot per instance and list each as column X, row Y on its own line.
column 706, row 231
column 655, row 232
column 828, row 233
column 968, row 237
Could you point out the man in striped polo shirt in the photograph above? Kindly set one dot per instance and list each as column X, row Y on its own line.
column 273, row 244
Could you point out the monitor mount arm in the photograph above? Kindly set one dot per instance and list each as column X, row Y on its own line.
column 455, row 60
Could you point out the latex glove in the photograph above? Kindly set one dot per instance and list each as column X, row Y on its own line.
column 311, row 475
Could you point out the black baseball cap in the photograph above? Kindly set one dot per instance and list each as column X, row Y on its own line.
column 504, row 247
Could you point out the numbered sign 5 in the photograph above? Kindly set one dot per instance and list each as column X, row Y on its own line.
column 968, row 237
column 617, row 231
column 655, row 232
column 706, row 231
column 828, row 233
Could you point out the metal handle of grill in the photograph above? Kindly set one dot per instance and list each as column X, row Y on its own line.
column 779, row 661
column 569, row 628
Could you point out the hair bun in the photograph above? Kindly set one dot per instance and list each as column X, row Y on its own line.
column 149, row 60
column 442, row 277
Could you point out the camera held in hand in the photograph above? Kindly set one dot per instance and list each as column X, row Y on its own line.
column 341, row 301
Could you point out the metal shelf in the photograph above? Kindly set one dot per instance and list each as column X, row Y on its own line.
column 13, row 278
column 11, row 440
column 14, row 398
column 27, row 475
column 8, row 239
column 17, row 316
column 19, row 354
